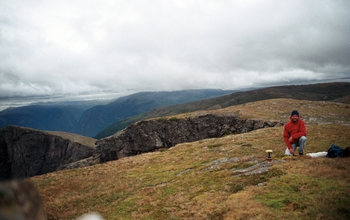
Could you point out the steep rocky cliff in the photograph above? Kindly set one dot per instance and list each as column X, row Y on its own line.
column 27, row 152
column 151, row 135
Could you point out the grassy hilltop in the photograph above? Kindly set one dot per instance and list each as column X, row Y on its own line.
column 210, row 179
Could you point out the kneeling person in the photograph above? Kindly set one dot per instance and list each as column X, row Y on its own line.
column 294, row 134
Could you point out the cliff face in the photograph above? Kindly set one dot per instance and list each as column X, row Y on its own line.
column 26, row 152
column 151, row 135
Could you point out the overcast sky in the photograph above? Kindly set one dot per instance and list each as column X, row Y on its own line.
column 68, row 47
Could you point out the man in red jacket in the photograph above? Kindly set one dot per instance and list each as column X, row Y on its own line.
column 295, row 134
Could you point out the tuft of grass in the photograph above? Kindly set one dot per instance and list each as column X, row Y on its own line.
column 214, row 146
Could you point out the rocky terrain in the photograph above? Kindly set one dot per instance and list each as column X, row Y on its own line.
column 151, row 135
column 26, row 152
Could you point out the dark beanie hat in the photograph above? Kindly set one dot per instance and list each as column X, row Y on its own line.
column 294, row 112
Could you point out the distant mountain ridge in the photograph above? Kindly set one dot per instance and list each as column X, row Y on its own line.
column 89, row 117
column 338, row 91
column 104, row 120
column 99, row 117
column 43, row 117
column 50, row 116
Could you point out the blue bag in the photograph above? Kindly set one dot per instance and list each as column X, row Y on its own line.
column 335, row 151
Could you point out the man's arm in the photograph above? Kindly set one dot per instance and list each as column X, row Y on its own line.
column 302, row 130
column 286, row 137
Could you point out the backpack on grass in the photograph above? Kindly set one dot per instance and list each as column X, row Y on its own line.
column 335, row 151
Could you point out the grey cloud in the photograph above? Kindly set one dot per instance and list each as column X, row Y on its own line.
column 65, row 47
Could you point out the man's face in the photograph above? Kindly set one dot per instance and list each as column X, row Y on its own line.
column 295, row 118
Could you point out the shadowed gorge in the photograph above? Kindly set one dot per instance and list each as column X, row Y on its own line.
column 27, row 152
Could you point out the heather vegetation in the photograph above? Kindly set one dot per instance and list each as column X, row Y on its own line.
column 214, row 178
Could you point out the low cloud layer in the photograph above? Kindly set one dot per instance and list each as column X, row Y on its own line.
column 85, row 47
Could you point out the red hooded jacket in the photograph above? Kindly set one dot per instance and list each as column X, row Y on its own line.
column 294, row 129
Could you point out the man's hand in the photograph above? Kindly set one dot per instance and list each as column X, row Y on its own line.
column 291, row 150
column 290, row 139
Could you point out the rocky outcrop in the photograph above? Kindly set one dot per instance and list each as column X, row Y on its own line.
column 152, row 135
column 27, row 152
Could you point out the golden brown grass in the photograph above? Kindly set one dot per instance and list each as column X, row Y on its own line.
column 182, row 183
